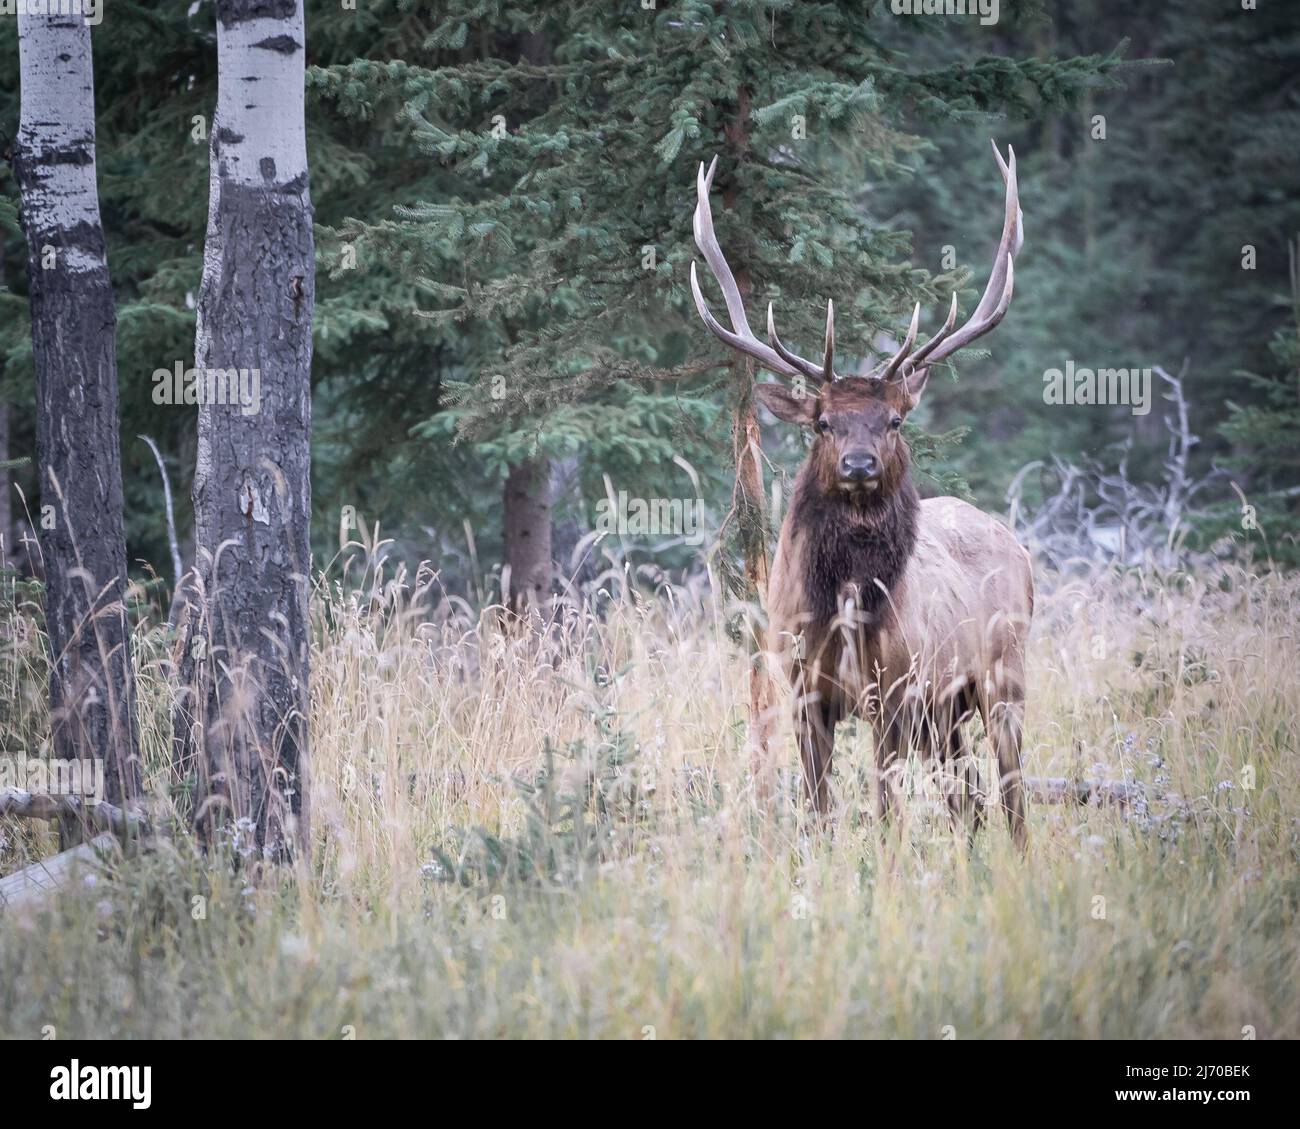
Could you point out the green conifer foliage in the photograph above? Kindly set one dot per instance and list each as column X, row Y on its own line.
column 561, row 252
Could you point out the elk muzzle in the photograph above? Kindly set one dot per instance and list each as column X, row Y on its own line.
column 859, row 470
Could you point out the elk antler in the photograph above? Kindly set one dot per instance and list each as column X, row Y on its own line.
column 776, row 357
column 997, row 294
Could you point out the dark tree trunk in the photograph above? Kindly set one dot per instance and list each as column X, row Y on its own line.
column 241, row 733
column 92, row 686
column 750, row 505
column 7, row 555
column 528, row 534
column 6, row 487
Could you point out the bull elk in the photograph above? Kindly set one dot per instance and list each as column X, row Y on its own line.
column 911, row 614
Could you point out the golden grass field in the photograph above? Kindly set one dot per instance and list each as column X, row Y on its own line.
column 517, row 839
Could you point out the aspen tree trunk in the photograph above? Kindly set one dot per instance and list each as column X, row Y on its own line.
column 528, row 533
column 751, row 507
column 241, row 732
column 74, row 335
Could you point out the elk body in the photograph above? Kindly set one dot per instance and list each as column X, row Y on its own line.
column 911, row 614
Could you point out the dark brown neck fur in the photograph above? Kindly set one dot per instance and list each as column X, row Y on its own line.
column 854, row 542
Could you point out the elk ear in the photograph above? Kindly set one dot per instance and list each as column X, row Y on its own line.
column 913, row 384
column 786, row 404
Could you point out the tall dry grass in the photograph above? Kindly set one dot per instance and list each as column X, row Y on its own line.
column 524, row 837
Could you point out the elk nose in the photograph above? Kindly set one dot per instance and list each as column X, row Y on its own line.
column 860, row 467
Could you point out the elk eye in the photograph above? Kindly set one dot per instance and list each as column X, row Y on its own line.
column 896, row 422
column 823, row 425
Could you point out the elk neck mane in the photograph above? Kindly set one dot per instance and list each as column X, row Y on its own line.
column 847, row 541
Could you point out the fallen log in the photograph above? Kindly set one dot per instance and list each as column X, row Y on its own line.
column 101, row 816
column 37, row 882
column 1095, row 793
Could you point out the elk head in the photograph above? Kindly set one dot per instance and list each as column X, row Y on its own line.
column 858, row 448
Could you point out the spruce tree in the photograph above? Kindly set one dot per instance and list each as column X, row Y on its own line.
column 1160, row 204
column 1265, row 457
column 563, row 247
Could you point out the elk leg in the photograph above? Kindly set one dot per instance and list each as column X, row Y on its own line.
column 891, row 744
column 1005, row 720
column 961, row 784
column 961, row 780
column 816, row 725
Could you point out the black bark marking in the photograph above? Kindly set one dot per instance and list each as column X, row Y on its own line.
column 267, row 165
column 282, row 44
column 76, row 154
column 233, row 12
column 85, row 237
